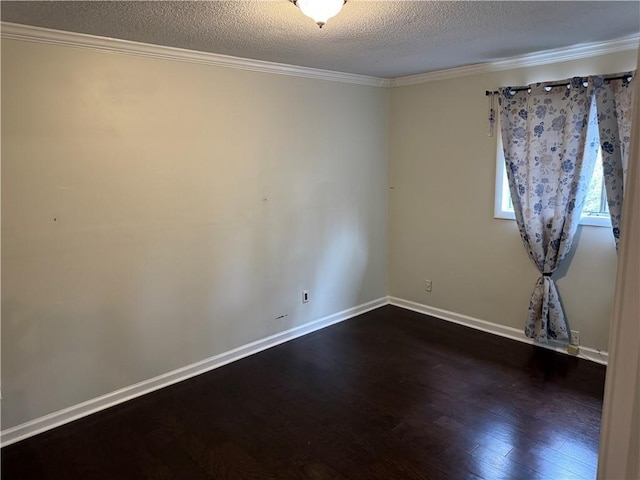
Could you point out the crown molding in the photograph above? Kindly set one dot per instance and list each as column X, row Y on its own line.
column 30, row 33
column 531, row 60
column 49, row 36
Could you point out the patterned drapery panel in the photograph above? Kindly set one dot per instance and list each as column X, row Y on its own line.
column 614, row 102
column 550, row 143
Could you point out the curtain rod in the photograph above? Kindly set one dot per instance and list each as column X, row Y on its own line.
column 522, row 89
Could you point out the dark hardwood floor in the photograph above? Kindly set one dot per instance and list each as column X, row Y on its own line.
column 390, row 394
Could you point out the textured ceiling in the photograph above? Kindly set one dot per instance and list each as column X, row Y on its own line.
column 384, row 39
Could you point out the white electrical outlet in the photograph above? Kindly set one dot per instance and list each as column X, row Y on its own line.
column 427, row 285
column 575, row 337
column 305, row 296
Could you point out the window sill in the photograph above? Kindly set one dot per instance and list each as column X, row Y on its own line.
column 589, row 221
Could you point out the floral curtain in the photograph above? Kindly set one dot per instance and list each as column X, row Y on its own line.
column 614, row 102
column 550, row 143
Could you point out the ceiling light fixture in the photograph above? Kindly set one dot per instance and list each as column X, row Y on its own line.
column 320, row 10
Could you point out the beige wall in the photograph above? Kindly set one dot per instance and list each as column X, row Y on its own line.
column 156, row 213
column 441, row 225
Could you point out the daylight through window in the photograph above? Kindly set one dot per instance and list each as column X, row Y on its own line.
column 595, row 211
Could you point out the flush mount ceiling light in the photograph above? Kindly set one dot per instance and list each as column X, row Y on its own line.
column 320, row 10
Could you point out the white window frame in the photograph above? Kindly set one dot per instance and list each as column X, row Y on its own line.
column 502, row 190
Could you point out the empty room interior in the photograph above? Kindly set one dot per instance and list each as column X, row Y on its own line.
column 320, row 240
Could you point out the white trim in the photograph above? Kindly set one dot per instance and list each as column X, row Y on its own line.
column 14, row 31
column 531, row 60
column 620, row 434
column 501, row 191
column 594, row 221
column 30, row 33
column 496, row 329
column 42, row 424
column 75, row 412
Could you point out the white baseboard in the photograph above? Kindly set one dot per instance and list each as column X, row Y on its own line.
column 61, row 417
column 501, row 330
column 42, row 424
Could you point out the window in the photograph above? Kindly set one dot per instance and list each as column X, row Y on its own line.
column 595, row 212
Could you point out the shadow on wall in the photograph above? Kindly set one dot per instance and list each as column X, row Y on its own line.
column 160, row 297
column 340, row 267
column 308, row 241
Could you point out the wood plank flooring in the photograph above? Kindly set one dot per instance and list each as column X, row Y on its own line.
column 391, row 394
